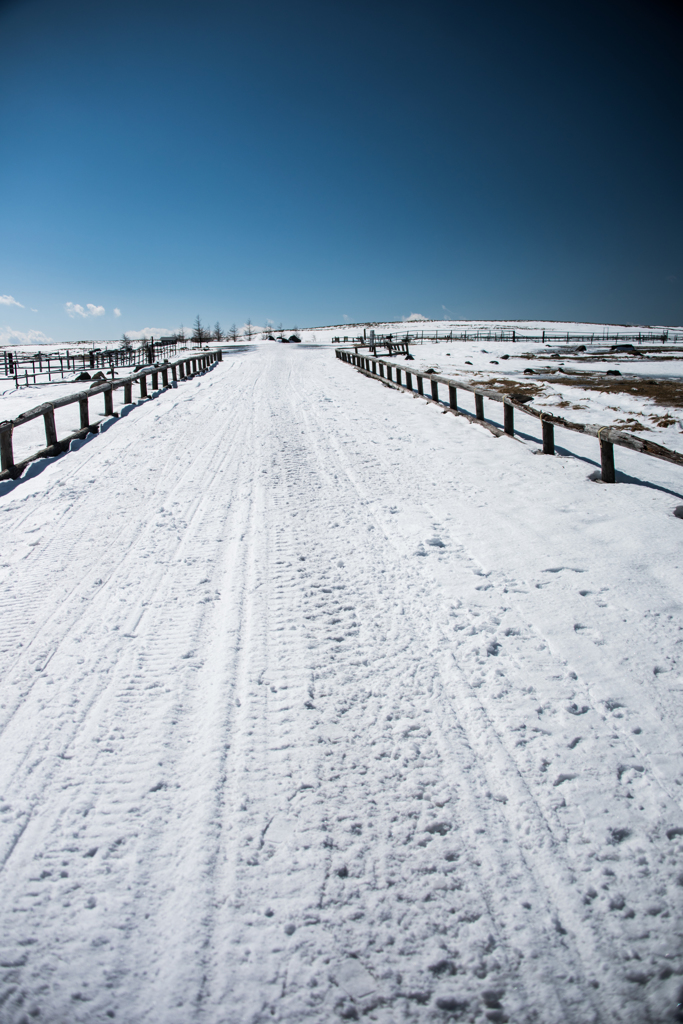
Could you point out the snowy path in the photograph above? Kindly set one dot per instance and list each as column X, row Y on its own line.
column 316, row 705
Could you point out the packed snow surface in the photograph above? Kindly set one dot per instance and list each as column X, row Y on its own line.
column 318, row 704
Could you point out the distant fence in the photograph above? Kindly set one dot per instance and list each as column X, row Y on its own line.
column 530, row 336
column 391, row 373
column 182, row 369
column 46, row 367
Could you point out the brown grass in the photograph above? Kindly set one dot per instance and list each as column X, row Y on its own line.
column 663, row 392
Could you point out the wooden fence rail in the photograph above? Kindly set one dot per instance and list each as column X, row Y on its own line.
column 381, row 369
column 181, row 369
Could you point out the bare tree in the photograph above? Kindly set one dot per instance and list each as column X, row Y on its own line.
column 233, row 333
column 200, row 333
column 280, row 332
column 218, row 333
column 249, row 331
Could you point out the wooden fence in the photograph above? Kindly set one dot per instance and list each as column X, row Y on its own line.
column 530, row 335
column 46, row 367
column 182, row 369
column 381, row 369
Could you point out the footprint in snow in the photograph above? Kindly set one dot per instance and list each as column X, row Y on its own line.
column 574, row 709
column 563, row 568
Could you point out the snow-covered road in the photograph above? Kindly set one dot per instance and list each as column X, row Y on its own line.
column 318, row 703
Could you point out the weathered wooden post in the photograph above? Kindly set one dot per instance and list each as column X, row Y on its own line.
column 509, row 419
column 83, row 409
column 548, row 437
column 607, row 462
column 109, row 402
column 452, row 397
column 155, row 381
column 128, row 393
column 164, row 376
column 435, row 391
column 6, row 448
column 143, row 385
column 479, row 406
column 50, row 428
column 173, row 371
column 398, row 375
column 420, row 384
column 409, row 381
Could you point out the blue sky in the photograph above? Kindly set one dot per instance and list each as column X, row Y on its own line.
column 310, row 163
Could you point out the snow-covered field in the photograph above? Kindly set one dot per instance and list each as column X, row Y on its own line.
column 579, row 390
column 318, row 704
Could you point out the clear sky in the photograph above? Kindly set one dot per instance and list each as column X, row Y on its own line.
column 311, row 162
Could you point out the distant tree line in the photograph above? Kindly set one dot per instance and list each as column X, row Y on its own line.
column 202, row 335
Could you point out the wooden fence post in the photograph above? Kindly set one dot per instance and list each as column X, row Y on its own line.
column 435, row 391
column 164, row 376
column 143, row 386
column 83, row 408
column 509, row 419
column 607, row 462
column 398, row 375
column 155, row 381
column 409, row 381
column 50, row 428
column 127, row 393
column 6, row 449
column 420, row 384
column 109, row 402
column 173, row 371
column 479, row 406
column 548, row 437
column 452, row 397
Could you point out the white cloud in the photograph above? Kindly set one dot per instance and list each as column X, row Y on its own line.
column 7, row 334
column 150, row 332
column 74, row 309
column 414, row 316
column 117, row 312
column 9, row 300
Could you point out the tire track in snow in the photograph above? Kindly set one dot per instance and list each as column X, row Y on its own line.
column 257, row 981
